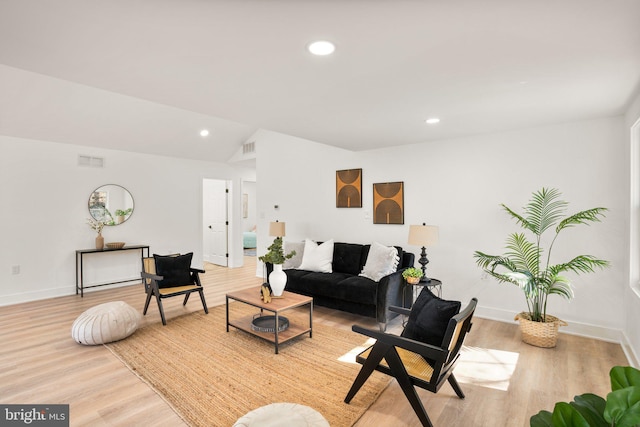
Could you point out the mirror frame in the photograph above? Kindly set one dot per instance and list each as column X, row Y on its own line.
column 111, row 219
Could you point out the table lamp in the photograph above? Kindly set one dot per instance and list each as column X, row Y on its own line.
column 423, row 235
column 276, row 229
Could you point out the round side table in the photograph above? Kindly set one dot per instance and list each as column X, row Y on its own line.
column 434, row 284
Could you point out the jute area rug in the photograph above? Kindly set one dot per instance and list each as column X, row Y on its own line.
column 211, row 377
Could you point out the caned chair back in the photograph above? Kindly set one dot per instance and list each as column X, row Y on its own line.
column 148, row 266
column 458, row 327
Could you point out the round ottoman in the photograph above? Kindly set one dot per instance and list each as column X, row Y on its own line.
column 282, row 414
column 104, row 323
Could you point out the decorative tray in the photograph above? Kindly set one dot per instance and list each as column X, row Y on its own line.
column 268, row 323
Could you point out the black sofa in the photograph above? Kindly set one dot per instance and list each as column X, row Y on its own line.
column 343, row 289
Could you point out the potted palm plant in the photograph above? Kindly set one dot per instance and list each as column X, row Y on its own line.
column 528, row 265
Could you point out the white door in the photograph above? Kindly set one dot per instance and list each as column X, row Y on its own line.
column 215, row 223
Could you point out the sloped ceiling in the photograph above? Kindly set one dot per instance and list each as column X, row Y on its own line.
column 147, row 75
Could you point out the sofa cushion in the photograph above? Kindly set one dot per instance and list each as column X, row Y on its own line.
column 429, row 318
column 317, row 257
column 295, row 275
column 314, row 283
column 367, row 248
column 347, row 258
column 357, row 289
column 296, row 260
column 381, row 261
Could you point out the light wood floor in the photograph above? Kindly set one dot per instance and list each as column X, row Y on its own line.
column 505, row 380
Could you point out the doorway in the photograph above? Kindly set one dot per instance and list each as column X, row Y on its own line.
column 215, row 225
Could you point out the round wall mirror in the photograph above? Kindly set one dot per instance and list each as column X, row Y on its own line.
column 111, row 204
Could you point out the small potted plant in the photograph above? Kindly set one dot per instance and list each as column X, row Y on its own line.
column 412, row 275
column 275, row 253
column 276, row 256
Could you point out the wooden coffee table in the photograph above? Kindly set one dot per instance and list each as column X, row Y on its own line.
column 288, row 301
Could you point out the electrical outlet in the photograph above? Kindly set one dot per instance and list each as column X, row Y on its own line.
column 15, row 269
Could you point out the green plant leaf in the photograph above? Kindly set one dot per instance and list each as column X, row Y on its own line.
column 544, row 210
column 560, row 286
column 541, row 419
column 623, row 377
column 580, row 264
column 566, row 415
column 623, row 407
column 591, row 407
column 524, row 254
column 583, row 217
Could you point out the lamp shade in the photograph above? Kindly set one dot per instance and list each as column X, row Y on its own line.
column 276, row 229
column 423, row 235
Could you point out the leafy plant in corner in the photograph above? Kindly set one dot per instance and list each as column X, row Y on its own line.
column 120, row 212
column 412, row 272
column 275, row 253
column 527, row 265
column 620, row 409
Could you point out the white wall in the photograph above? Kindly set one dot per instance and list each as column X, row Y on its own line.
column 632, row 299
column 458, row 185
column 44, row 197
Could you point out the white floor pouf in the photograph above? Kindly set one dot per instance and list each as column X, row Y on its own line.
column 282, row 415
column 104, row 323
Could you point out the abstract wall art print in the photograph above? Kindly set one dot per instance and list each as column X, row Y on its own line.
column 349, row 188
column 388, row 203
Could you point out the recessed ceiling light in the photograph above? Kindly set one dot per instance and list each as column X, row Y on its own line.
column 432, row 121
column 321, row 48
column 204, row 132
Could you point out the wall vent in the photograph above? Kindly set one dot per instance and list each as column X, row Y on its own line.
column 249, row 147
column 89, row 161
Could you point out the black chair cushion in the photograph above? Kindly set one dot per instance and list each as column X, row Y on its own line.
column 175, row 269
column 429, row 318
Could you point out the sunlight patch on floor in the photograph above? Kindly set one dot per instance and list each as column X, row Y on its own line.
column 486, row 367
column 350, row 357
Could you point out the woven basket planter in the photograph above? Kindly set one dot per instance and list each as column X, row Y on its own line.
column 413, row 280
column 539, row 334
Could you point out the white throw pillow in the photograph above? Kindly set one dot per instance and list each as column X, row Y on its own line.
column 296, row 260
column 381, row 261
column 317, row 258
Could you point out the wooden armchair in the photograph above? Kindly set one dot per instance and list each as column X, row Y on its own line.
column 170, row 276
column 414, row 363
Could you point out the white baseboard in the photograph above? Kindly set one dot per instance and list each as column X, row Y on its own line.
column 41, row 294
column 574, row 328
column 22, row 297
column 629, row 351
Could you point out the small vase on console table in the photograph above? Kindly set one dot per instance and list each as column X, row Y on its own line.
column 277, row 280
column 99, row 241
